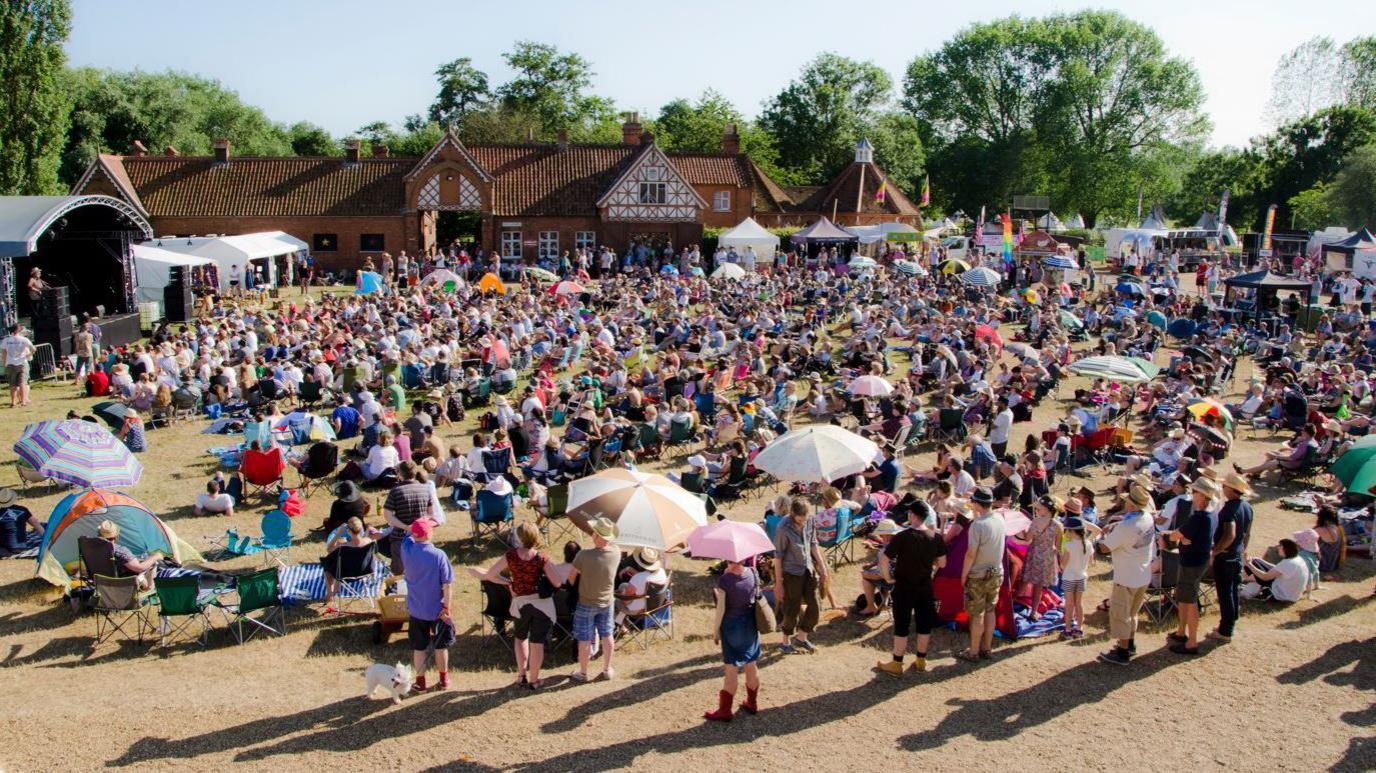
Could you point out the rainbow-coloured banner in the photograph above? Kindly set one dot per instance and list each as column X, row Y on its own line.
column 1266, row 234
column 1008, row 238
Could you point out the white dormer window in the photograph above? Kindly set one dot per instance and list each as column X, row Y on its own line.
column 652, row 193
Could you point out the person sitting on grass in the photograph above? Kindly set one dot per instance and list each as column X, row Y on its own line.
column 1291, row 457
column 1284, row 581
column 214, row 501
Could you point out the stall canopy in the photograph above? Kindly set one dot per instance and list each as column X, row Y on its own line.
column 823, row 231
column 1268, row 280
column 750, row 234
column 239, row 250
column 152, row 270
column 1038, row 243
column 1050, row 222
column 1355, row 252
column 890, row 232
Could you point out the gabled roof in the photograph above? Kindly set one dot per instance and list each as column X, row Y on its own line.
column 649, row 153
column 856, row 188
column 449, row 140
column 23, row 219
column 110, row 166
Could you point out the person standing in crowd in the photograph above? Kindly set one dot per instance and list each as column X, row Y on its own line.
column 18, row 350
column 533, row 611
column 982, row 574
column 1132, row 543
column 429, row 583
column 736, row 631
column 798, row 568
column 1000, row 428
column 915, row 554
column 1230, row 543
column 408, row 501
column 1195, row 535
column 595, row 571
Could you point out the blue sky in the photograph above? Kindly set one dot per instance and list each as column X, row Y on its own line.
column 345, row 63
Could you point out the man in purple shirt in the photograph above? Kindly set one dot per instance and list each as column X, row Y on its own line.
column 429, row 579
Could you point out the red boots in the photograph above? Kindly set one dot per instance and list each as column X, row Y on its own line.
column 749, row 705
column 723, row 712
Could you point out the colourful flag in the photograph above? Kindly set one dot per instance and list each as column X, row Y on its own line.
column 1266, row 234
column 881, row 195
column 1008, row 238
column 926, row 190
column 979, row 229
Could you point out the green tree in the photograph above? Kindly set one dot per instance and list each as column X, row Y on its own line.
column 1310, row 151
column 33, row 106
column 110, row 110
column 816, row 120
column 1208, row 174
column 695, row 126
column 463, row 88
column 1310, row 210
column 1307, row 79
column 1359, row 72
column 897, row 143
column 308, row 139
column 375, row 133
column 1352, row 196
column 552, row 86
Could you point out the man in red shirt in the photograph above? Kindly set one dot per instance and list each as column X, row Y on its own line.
column 97, row 383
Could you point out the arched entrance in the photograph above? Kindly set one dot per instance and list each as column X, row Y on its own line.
column 450, row 208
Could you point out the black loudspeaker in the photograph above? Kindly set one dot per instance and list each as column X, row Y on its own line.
column 54, row 306
column 177, row 302
column 176, row 275
column 58, row 333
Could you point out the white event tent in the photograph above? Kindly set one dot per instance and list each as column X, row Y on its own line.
column 153, row 267
column 256, row 250
column 751, row 234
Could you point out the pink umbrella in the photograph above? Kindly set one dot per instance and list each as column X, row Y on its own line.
column 870, row 386
column 988, row 333
column 729, row 541
column 567, row 288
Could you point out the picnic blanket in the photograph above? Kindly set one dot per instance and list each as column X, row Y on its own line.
column 34, row 541
column 303, row 583
column 1049, row 623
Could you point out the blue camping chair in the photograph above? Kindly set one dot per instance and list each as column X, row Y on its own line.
column 491, row 511
column 839, row 548
column 771, row 524
column 274, row 544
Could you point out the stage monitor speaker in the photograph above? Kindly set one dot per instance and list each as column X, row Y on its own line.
column 58, row 333
column 177, row 302
column 53, row 306
column 176, row 274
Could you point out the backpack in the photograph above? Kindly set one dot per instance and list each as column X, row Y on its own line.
column 487, row 422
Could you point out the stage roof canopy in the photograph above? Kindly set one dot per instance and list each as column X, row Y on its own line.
column 23, row 219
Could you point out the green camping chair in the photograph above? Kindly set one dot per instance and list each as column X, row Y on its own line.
column 556, row 520
column 180, row 598
column 119, row 603
column 257, row 592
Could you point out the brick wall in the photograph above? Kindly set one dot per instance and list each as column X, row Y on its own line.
column 613, row 234
column 741, row 205
column 399, row 232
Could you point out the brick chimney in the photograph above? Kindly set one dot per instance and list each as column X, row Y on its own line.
column 381, row 151
column 170, row 151
column 351, row 151
column 630, row 130
column 563, row 138
column 731, row 140
column 222, row 151
column 139, row 149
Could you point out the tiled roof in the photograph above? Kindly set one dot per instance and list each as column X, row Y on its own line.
column 854, row 190
column 530, row 180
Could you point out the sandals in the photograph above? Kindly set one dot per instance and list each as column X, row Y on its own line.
column 967, row 656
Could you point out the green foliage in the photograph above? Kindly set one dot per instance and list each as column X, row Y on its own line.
column 1208, row 175
column 553, row 87
column 819, row 117
column 110, row 110
column 695, row 126
column 307, row 139
column 33, row 107
column 463, row 88
column 1310, row 209
column 1352, row 196
column 1302, row 154
column 1359, row 72
column 897, row 142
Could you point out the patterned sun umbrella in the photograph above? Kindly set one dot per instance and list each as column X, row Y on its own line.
column 981, row 277
column 78, row 452
column 650, row 510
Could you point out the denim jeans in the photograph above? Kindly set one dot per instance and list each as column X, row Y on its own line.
column 1227, row 578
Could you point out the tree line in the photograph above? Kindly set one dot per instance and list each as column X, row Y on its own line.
column 1089, row 108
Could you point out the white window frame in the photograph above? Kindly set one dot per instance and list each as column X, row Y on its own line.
column 721, row 201
column 547, row 247
column 511, row 245
column 654, row 193
column 586, row 240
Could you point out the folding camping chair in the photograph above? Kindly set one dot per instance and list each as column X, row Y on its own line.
column 950, row 425
column 491, row 511
column 495, row 615
column 309, row 394
column 681, row 434
column 555, row 518
column 655, row 621
column 274, row 544
column 262, row 470
column 258, row 592
column 98, row 558
column 651, row 445
column 481, row 395
column 118, row 603
column 352, row 568
column 322, row 458
column 1160, row 600
column 841, row 547
column 496, row 462
column 180, row 608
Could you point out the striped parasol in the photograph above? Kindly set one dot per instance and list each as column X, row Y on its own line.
column 907, row 267
column 650, row 510
column 1063, row 262
column 1114, row 368
column 78, row 452
column 981, row 277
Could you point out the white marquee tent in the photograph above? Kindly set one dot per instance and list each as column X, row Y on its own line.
column 259, row 249
column 152, row 270
column 751, row 234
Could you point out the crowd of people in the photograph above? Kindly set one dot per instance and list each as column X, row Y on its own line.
column 643, row 360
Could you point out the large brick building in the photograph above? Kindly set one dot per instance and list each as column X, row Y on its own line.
column 533, row 199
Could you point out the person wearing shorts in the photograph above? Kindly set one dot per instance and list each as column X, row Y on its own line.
column 533, row 612
column 595, row 571
column 17, row 350
column 915, row 554
column 1196, row 539
column 982, row 574
column 429, row 580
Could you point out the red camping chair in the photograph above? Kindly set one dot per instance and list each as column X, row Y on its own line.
column 263, row 470
column 1092, row 447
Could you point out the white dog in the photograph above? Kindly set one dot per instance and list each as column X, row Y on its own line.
column 397, row 678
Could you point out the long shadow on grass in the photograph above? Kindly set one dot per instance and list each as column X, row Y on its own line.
column 1330, row 667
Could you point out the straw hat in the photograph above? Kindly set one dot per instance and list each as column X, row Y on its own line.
column 1206, row 486
column 1237, row 483
column 108, row 530
column 1073, row 506
column 7, row 497
column 604, row 528
column 886, row 528
column 1141, row 497
column 647, row 559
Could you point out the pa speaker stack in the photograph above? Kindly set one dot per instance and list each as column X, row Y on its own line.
column 52, row 321
column 178, row 305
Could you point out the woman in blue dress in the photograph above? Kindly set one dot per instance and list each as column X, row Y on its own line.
column 739, row 637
